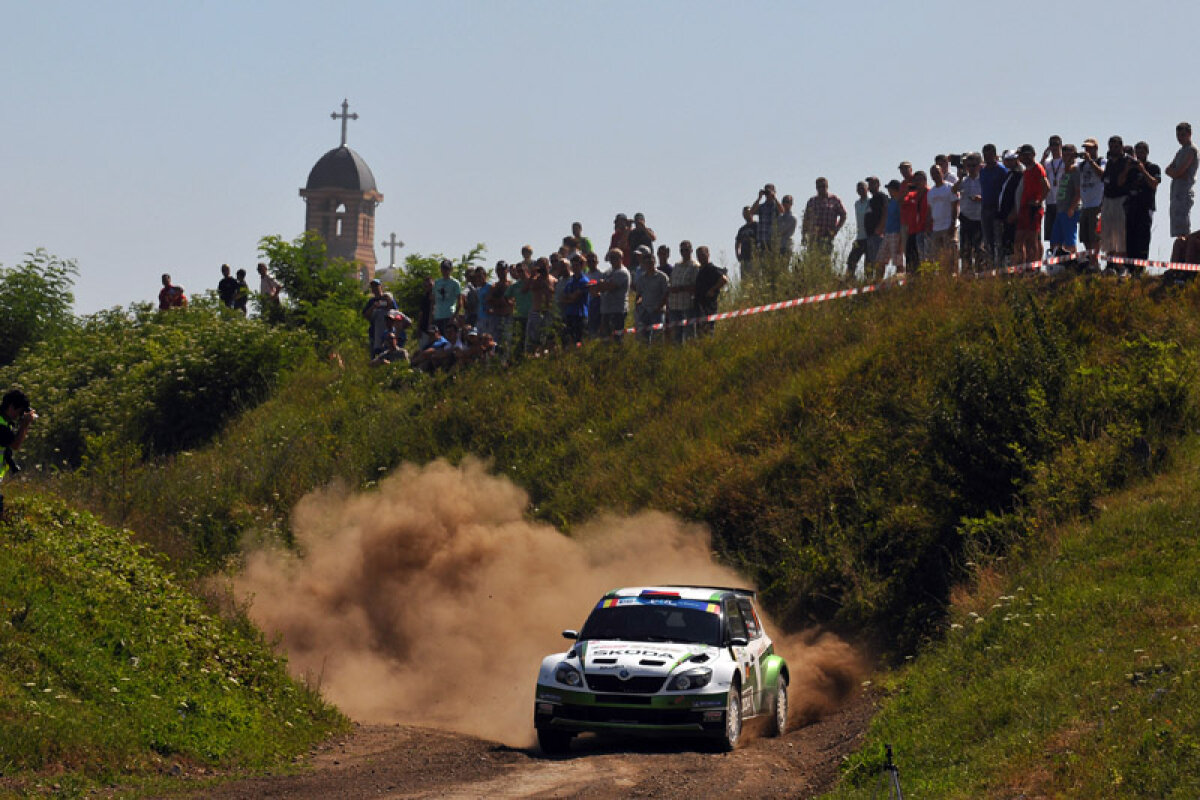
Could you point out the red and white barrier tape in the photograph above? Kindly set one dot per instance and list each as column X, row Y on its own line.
column 1141, row 262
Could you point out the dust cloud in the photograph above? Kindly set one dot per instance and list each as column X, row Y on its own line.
column 432, row 599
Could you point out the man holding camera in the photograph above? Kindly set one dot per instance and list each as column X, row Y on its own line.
column 16, row 416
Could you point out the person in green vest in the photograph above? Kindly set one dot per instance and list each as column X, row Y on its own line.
column 15, row 418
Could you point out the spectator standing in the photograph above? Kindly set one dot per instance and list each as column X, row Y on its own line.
column 1010, row 200
column 640, row 236
column 425, row 315
column 785, row 229
column 15, row 418
column 613, row 290
column 1053, row 165
column 681, row 299
column 376, row 310
column 1064, row 236
column 595, row 317
column 858, row 250
column 582, row 243
column 620, row 238
column 651, row 288
column 915, row 221
column 522, row 296
column 943, row 163
column 1140, row 204
column 824, row 216
column 500, row 305
column 891, row 249
column 1091, row 194
column 268, row 287
column 1116, row 189
column 242, row 298
column 470, row 306
column 575, row 302
column 744, row 243
column 447, row 297
column 227, row 287
column 171, row 296
column 1182, row 172
column 483, row 292
column 876, row 221
column 664, row 260
column 1027, row 217
column 541, row 314
column 710, row 279
column 767, row 208
column 970, row 207
column 943, row 214
column 991, row 180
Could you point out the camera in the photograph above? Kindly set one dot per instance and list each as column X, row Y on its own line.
column 955, row 160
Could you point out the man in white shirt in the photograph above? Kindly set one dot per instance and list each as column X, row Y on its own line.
column 943, row 209
column 1052, row 162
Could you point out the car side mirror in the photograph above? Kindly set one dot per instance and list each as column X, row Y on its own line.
column 570, row 634
column 738, row 641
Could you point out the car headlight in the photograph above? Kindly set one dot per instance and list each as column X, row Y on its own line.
column 565, row 673
column 692, row 679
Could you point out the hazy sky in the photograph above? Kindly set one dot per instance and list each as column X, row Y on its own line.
column 144, row 137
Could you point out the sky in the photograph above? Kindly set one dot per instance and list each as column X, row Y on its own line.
column 150, row 137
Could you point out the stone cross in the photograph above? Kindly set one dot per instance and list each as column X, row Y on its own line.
column 392, row 243
column 345, row 115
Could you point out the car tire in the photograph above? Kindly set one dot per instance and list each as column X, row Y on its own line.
column 731, row 733
column 778, row 725
column 554, row 743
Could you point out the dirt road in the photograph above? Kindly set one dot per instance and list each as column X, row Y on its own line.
column 410, row 762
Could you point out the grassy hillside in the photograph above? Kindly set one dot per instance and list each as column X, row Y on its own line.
column 849, row 457
column 110, row 671
column 1074, row 673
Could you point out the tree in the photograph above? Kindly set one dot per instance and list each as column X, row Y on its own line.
column 35, row 301
column 323, row 294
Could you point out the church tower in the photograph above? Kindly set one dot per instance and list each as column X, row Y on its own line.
column 341, row 197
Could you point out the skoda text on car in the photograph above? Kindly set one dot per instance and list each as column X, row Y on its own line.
column 664, row 660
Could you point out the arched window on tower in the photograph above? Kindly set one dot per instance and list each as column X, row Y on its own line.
column 339, row 219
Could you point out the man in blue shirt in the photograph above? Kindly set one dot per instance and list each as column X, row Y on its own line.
column 991, row 180
column 575, row 302
column 447, row 297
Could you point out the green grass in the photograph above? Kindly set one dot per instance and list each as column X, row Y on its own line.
column 111, row 670
column 1075, row 674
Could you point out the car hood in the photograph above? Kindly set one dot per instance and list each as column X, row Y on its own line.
column 642, row 658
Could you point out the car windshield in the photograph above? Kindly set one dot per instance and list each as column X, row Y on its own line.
column 654, row 623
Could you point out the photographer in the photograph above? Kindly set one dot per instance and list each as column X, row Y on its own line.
column 17, row 417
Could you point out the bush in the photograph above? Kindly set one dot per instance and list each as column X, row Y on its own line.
column 35, row 302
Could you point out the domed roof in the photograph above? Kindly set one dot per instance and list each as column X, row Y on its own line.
column 341, row 168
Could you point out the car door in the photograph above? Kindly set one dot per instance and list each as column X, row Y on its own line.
column 756, row 649
column 744, row 656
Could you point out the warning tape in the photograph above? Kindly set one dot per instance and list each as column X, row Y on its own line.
column 900, row 280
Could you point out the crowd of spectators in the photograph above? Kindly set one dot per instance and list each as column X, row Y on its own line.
column 980, row 210
column 559, row 300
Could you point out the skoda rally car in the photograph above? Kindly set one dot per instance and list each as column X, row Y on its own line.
column 674, row 660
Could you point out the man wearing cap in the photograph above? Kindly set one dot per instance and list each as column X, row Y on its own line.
column 991, row 180
column 1182, row 172
column 1010, row 199
column 651, row 287
column 1027, row 216
column 376, row 313
column 447, row 297
column 613, row 290
column 1116, row 189
column 1091, row 193
column 393, row 352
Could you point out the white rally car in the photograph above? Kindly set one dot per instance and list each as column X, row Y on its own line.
column 670, row 660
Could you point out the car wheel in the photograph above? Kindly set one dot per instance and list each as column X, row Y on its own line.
column 732, row 733
column 554, row 743
column 779, row 716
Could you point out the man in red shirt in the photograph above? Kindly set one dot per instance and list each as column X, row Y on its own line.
column 1027, row 216
column 915, row 220
column 171, row 296
column 620, row 238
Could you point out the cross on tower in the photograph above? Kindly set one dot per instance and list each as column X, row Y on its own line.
column 392, row 243
column 345, row 115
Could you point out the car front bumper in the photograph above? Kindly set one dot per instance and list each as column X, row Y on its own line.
column 662, row 714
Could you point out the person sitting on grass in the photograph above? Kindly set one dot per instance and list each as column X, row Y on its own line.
column 392, row 353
